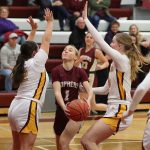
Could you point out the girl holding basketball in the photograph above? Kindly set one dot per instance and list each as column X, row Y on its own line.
column 137, row 97
column 66, row 79
column 123, row 69
column 89, row 56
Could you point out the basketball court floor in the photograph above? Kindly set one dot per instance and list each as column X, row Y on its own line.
column 130, row 139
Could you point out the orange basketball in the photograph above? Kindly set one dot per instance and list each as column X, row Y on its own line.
column 79, row 110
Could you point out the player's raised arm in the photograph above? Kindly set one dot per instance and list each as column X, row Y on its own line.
column 48, row 31
column 115, row 55
column 34, row 27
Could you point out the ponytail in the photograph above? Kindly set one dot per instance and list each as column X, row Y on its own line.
column 19, row 71
column 133, row 52
column 136, row 60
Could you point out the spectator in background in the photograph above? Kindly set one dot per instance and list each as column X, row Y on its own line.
column 8, row 56
column 30, row 2
column 58, row 9
column 139, row 39
column 133, row 29
column 61, row 12
column 98, row 10
column 75, row 8
column 77, row 36
column 114, row 29
column 7, row 26
column 142, row 46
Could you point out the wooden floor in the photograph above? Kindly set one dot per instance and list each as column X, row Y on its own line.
column 130, row 139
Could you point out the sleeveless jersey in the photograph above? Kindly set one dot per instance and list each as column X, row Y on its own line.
column 120, row 83
column 88, row 65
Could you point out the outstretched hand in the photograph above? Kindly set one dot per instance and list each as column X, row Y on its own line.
column 33, row 24
column 84, row 12
column 48, row 15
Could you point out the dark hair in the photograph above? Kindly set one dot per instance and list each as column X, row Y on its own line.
column 19, row 71
column 115, row 22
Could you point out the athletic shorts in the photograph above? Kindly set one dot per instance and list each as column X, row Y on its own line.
column 23, row 116
column 60, row 121
column 146, row 137
column 113, row 117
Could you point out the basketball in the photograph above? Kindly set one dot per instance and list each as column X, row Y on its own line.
column 79, row 110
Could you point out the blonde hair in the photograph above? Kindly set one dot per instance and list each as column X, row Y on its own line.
column 133, row 53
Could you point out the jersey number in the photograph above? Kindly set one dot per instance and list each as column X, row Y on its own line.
column 66, row 95
column 84, row 65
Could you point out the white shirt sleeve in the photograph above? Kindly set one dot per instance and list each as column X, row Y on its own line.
column 140, row 92
column 119, row 59
column 39, row 60
column 101, row 90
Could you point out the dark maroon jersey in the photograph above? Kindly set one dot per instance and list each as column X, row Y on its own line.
column 87, row 64
column 69, row 81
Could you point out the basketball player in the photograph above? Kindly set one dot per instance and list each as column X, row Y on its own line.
column 123, row 69
column 137, row 97
column 66, row 79
column 89, row 55
column 30, row 76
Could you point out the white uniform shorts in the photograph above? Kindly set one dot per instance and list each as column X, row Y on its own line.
column 23, row 116
column 146, row 138
column 113, row 116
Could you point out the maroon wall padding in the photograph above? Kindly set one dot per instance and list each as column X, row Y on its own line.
column 2, row 82
column 121, row 12
column 115, row 4
column 23, row 11
column 146, row 98
column 56, row 51
column 20, row 2
column 6, row 98
column 52, row 63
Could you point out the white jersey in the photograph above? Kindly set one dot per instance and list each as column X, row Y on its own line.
column 35, row 83
column 119, row 83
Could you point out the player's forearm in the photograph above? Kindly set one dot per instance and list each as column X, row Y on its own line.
column 90, row 96
column 137, row 97
column 140, row 92
column 31, row 35
column 100, row 90
column 60, row 101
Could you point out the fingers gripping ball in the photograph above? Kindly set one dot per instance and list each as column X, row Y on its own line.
column 79, row 110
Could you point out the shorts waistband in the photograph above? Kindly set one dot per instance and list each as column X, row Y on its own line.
column 27, row 98
column 125, row 102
